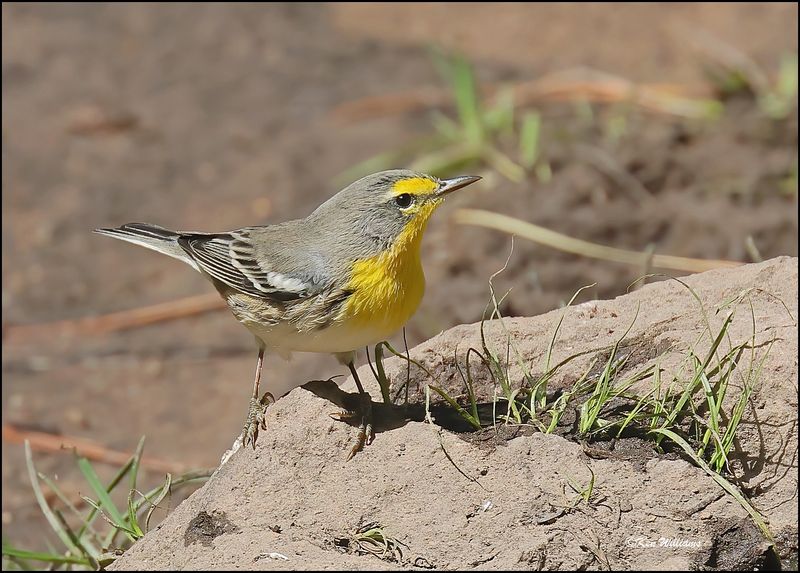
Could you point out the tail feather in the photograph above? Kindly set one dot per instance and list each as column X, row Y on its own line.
column 152, row 237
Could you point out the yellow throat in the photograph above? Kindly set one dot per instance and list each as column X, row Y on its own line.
column 387, row 288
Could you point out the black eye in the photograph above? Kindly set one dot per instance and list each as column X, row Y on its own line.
column 404, row 200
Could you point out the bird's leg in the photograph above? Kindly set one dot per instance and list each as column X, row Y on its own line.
column 363, row 414
column 258, row 408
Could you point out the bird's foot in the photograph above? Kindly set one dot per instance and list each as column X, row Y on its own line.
column 256, row 418
column 364, row 415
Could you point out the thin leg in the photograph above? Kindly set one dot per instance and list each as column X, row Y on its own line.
column 365, row 431
column 259, row 364
column 255, row 415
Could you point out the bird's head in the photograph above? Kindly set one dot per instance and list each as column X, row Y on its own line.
column 392, row 206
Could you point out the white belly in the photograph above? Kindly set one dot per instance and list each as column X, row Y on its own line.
column 337, row 338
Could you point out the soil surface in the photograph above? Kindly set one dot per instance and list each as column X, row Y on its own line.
column 213, row 117
column 453, row 503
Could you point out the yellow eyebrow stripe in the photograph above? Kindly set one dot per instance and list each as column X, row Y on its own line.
column 414, row 186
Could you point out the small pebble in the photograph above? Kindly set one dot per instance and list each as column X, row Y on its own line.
column 271, row 555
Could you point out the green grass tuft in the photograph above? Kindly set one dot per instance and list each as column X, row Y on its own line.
column 88, row 547
column 698, row 409
column 472, row 139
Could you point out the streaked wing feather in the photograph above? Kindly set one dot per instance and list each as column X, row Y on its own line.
column 228, row 257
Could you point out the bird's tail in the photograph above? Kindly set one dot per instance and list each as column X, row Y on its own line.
column 151, row 237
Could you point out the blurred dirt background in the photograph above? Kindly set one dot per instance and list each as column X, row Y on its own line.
column 212, row 117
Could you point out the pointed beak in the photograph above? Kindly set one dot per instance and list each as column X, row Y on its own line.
column 450, row 185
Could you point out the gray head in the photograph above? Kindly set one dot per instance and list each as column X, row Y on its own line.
column 384, row 205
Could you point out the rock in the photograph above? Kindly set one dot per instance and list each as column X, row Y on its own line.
column 419, row 481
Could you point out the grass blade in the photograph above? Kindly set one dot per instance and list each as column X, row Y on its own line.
column 723, row 483
column 383, row 382
column 104, row 500
column 580, row 247
column 136, row 460
column 132, row 520
column 464, row 414
column 15, row 553
column 91, row 561
column 54, row 522
column 112, row 484
column 90, row 547
column 529, row 139
column 463, row 81
column 165, row 489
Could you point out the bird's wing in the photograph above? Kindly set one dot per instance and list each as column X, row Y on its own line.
column 241, row 260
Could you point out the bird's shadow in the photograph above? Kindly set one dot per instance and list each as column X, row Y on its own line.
column 387, row 417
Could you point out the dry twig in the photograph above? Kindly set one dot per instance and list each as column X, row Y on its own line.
column 585, row 248
column 578, row 84
column 123, row 320
column 54, row 443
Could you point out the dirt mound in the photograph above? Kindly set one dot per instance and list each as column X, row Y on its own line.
column 505, row 500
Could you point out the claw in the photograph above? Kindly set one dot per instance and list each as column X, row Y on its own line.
column 345, row 415
column 256, row 418
column 366, row 433
column 357, row 447
column 370, row 434
column 267, row 399
column 364, row 437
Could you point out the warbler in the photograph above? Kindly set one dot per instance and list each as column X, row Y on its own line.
column 347, row 276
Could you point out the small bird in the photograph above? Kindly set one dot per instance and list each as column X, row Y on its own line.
column 347, row 276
